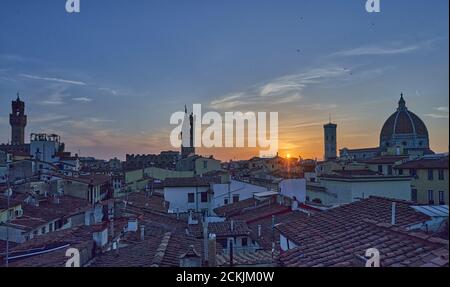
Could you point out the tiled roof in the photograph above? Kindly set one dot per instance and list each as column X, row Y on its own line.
column 426, row 163
column 259, row 258
column 140, row 200
column 385, row 159
column 155, row 251
column 185, row 182
column 262, row 216
column 237, row 207
column 333, row 221
column 221, row 229
column 35, row 216
column 397, row 247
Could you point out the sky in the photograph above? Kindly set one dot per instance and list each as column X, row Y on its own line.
column 108, row 79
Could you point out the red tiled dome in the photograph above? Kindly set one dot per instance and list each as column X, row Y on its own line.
column 403, row 122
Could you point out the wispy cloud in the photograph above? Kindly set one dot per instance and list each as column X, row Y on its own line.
column 82, row 99
column 442, row 109
column 283, row 90
column 386, row 49
column 51, row 79
column 48, row 118
column 109, row 90
column 437, row 116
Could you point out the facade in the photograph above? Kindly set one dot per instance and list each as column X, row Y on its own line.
column 430, row 179
column 198, row 164
column 233, row 192
column 350, row 186
column 330, row 141
column 187, row 194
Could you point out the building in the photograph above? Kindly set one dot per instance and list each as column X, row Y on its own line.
column 330, row 141
column 198, row 164
column 430, row 179
column 93, row 188
column 18, row 122
column 346, row 186
column 403, row 133
column 45, row 147
column 188, row 194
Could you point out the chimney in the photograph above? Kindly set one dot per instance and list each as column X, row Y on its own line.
column 232, row 225
column 111, row 227
column 212, row 250
column 259, row 231
column 142, row 232
column 205, row 240
column 393, row 215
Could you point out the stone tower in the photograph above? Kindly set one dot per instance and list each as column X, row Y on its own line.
column 18, row 121
column 188, row 124
column 330, row 141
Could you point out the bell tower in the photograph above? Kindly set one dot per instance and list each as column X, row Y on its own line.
column 18, row 121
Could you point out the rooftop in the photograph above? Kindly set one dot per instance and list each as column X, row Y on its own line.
column 321, row 225
column 185, row 182
column 426, row 163
column 398, row 248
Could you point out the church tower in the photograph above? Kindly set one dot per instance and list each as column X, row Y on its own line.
column 18, row 121
column 330, row 141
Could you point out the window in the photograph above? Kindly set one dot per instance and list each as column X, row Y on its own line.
column 191, row 197
column 441, row 198
column 225, row 201
column 236, row 198
column 430, row 197
column 244, row 242
column 205, row 164
column 441, row 174
column 204, row 196
column 430, row 174
column 389, row 169
column 413, row 172
column 400, row 171
column 414, row 195
column 380, row 169
column 44, row 229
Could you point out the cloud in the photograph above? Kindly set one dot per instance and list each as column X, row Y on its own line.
column 82, row 99
column 48, row 118
column 376, row 50
column 436, row 116
column 282, row 90
column 442, row 109
column 58, row 80
column 112, row 91
column 387, row 49
column 53, row 100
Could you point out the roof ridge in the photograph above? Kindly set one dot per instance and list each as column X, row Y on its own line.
column 161, row 251
column 403, row 231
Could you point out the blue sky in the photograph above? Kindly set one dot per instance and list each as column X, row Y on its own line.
column 108, row 79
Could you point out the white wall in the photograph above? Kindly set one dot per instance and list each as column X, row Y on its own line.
column 350, row 191
column 243, row 189
column 178, row 198
column 294, row 187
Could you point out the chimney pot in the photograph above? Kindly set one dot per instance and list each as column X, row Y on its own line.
column 393, row 213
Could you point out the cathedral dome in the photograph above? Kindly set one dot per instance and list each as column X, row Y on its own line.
column 404, row 128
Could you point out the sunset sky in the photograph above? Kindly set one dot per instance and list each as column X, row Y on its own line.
column 109, row 78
